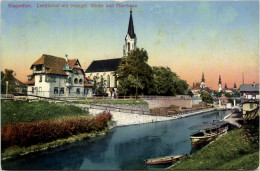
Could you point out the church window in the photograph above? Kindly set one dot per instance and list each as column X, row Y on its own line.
column 115, row 82
column 108, row 81
column 76, row 81
column 32, row 90
column 128, row 45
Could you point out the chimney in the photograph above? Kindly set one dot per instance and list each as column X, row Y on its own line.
column 66, row 56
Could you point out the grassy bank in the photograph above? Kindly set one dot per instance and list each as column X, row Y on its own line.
column 109, row 101
column 235, row 150
column 20, row 111
column 17, row 151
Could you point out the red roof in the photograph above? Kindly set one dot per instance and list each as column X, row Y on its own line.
column 54, row 65
column 31, row 82
column 86, row 82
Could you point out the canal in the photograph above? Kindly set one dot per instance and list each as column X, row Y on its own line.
column 122, row 148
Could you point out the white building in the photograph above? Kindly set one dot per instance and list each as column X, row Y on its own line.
column 219, row 84
column 58, row 77
column 104, row 70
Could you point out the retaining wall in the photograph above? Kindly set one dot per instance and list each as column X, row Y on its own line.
column 155, row 103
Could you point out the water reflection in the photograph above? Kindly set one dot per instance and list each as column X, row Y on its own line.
column 122, row 148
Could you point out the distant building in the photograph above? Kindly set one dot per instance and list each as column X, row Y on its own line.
column 58, row 77
column 219, row 84
column 203, row 83
column 249, row 92
column 196, row 89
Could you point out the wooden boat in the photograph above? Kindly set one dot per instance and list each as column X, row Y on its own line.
column 207, row 132
column 164, row 160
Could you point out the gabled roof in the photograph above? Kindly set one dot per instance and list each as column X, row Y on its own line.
column 104, row 65
column 87, row 83
column 54, row 65
column 31, row 82
column 249, row 87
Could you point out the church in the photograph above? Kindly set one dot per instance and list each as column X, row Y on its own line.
column 104, row 70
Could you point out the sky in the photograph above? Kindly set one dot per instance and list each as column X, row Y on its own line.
column 217, row 38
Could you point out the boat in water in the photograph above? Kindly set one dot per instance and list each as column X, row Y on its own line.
column 164, row 160
column 207, row 132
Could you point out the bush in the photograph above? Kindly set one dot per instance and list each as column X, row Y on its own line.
column 31, row 133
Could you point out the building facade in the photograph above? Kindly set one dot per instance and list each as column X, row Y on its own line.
column 58, row 77
column 249, row 92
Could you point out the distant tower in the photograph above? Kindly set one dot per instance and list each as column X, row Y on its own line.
column 219, row 84
column 202, row 84
column 225, row 85
column 235, row 86
column 130, row 38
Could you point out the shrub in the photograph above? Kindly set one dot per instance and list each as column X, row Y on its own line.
column 31, row 133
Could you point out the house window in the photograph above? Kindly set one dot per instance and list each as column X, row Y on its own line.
column 108, row 81
column 55, row 90
column 32, row 90
column 76, row 81
column 40, row 78
column 68, row 89
column 80, row 81
column 38, row 68
column 78, row 91
column 62, row 90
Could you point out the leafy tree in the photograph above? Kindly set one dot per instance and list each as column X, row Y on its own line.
column 99, row 88
column 134, row 74
column 228, row 95
column 190, row 93
column 165, row 82
column 7, row 76
column 206, row 97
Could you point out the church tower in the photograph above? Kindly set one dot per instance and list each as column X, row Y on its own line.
column 130, row 38
column 219, row 85
column 202, row 84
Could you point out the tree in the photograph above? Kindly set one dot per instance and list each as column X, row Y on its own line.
column 134, row 74
column 190, row 93
column 167, row 83
column 206, row 97
column 7, row 76
column 99, row 88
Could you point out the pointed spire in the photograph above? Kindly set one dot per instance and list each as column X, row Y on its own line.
column 131, row 31
column 219, row 82
column 235, row 86
column 225, row 85
column 203, row 79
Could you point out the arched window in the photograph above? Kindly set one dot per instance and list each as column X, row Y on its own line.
column 80, row 81
column 108, row 81
column 115, row 82
column 128, row 45
column 76, row 81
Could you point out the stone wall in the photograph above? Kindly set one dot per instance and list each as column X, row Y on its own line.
column 155, row 103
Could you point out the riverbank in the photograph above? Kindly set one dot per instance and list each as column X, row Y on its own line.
column 238, row 149
column 126, row 119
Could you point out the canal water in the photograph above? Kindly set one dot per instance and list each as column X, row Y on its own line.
column 122, row 148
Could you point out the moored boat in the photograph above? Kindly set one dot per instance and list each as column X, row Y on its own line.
column 164, row 160
column 207, row 132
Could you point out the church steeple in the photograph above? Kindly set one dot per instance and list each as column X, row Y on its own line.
column 219, row 84
column 131, row 31
column 130, row 38
column 203, row 84
column 203, row 79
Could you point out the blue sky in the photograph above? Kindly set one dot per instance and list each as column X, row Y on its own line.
column 218, row 38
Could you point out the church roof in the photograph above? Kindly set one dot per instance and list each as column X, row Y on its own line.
column 131, row 31
column 104, row 65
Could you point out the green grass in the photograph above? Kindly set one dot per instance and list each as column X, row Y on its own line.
column 115, row 101
column 20, row 111
column 231, row 151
